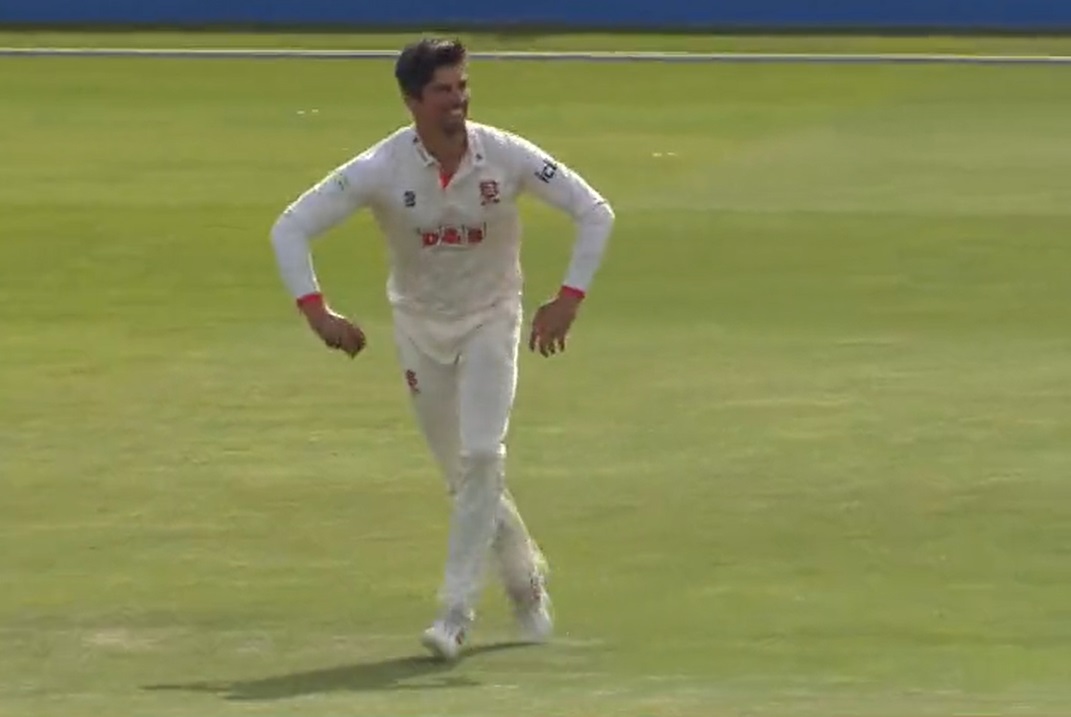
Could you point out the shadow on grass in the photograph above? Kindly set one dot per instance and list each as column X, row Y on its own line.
column 394, row 674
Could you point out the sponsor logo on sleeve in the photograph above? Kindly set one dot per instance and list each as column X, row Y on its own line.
column 548, row 171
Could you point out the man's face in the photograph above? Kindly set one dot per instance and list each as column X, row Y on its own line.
column 445, row 103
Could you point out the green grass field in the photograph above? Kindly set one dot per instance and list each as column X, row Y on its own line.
column 808, row 455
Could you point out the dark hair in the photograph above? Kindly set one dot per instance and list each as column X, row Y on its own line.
column 418, row 62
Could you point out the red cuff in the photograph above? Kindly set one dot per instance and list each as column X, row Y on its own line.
column 310, row 299
column 571, row 291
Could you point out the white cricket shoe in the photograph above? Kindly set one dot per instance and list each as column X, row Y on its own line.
column 534, row 611
column 444, row 639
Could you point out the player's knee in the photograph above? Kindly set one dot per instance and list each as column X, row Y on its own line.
column 481, row 452
column 484, row 462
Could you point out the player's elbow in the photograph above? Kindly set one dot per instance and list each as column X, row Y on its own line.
column 607, row 213
column 602, row 215
column 594, row 228
column 285, row 232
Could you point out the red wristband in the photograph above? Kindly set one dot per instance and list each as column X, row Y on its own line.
column 571, row 291
column 314, row 298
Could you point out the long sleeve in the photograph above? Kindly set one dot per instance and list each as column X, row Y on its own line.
column 561, row 187
column 318, row 209
column 592, row 236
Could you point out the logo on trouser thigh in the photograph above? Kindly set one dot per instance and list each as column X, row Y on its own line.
column 411, row 381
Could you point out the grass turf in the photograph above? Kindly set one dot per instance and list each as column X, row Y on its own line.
column 807, row 454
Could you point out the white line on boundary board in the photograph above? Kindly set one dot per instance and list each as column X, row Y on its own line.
column 594, row 56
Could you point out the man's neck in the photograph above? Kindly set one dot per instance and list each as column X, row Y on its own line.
column 447, row 149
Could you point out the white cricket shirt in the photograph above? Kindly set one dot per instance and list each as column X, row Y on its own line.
column 455, row 250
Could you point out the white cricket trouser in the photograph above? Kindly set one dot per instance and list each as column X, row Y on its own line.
column 462, row 382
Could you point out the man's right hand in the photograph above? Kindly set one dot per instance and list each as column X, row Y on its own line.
column 335, row 330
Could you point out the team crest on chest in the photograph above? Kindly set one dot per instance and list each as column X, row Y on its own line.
column 489, row 192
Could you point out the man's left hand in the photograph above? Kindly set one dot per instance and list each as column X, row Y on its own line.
column 551, row 324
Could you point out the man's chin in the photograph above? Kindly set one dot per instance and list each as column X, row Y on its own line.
column 454, row 126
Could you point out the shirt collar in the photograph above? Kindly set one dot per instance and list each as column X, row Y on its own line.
column 475, row 150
